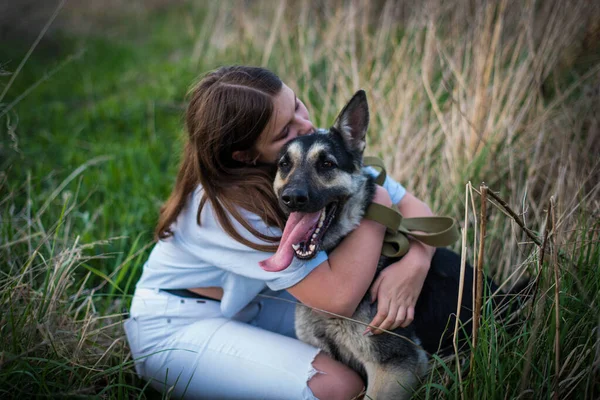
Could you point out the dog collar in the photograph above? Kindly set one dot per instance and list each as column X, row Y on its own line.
column 433, row 231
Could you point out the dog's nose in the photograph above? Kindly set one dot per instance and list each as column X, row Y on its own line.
column 295, row 198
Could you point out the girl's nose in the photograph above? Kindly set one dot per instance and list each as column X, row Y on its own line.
column 305, row 127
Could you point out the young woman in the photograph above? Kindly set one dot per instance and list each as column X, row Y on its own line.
column 197, row 327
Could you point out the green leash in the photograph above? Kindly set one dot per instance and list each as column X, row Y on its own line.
column 433, row 231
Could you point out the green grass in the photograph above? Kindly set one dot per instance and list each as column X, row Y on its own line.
column 89, row 155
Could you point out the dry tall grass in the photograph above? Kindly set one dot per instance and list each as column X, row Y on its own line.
column 458, row 90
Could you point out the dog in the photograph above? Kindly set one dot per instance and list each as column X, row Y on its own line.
column 321, row 184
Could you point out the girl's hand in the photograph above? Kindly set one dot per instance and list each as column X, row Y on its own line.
column 382, row 196
column 397, row 288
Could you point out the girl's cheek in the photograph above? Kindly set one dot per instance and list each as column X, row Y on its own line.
column 306, row 113
column 291, row 136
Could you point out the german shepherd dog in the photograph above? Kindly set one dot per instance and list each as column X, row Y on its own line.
column 321, row 184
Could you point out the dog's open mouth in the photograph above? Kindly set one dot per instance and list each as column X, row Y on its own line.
column 301, row 237
column 308, row 247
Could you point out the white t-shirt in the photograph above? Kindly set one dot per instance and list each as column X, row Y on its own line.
column 205, row 255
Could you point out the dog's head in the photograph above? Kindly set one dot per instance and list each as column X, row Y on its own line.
column 321, row 186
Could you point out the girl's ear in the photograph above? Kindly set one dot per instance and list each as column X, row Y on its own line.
column 242, row 156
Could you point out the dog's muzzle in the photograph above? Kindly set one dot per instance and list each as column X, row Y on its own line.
column 295, row 199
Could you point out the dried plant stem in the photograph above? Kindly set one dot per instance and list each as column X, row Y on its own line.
column 461, row 285
column 538, row 308
column 520, row 222
column 274, row 32
column 478, row 293
column 552, row 212
column 514, row 215
column 266, row 296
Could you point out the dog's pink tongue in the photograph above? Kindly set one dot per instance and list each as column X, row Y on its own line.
column 296, row 229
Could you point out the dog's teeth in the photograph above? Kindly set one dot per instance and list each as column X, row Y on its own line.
column 318, row 230
column 312, row 247
column 320, row 224
column 314, row 235
column 295, row 246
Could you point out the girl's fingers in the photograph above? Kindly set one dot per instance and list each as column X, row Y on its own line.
column 400, row 317
column 375, row 289
column 382, row 313
column 388, row 322
column 410, row 316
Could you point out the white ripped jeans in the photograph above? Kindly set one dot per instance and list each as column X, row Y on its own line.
column 187, row 347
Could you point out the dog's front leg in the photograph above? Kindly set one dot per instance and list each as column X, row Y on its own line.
column 390, row 381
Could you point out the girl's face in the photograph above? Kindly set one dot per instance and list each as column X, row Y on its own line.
column 289, row 120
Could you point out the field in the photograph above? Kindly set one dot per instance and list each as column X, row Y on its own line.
column 461, row 93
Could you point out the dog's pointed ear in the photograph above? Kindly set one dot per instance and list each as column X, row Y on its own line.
column 353, row 122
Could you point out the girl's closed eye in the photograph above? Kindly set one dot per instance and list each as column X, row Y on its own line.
column 284, row 133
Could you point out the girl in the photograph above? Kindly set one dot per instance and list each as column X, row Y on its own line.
column 198, row 327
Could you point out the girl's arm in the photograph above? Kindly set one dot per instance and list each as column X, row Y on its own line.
column 398, row 286
column 339, row 284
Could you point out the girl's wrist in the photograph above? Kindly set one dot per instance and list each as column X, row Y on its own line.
column 382, row 196
column 420, row 254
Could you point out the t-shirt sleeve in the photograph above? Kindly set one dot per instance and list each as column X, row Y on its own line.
column 395, row 190
column 222, row 251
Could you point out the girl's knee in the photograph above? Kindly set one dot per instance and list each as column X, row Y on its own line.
column 334, row 380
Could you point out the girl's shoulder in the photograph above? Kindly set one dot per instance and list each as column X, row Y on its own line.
column 207, row 214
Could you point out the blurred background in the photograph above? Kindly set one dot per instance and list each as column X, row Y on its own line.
column 92, row 96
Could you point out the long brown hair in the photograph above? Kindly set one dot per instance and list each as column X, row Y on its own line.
column 228, row 110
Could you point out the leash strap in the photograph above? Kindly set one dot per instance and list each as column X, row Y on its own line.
column 433, row 231
column 378, row 163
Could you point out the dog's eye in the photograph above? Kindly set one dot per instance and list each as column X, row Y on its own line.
column 327, row 165
column 284, row 164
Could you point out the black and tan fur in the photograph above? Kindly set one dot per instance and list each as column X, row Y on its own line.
column 325, row 168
